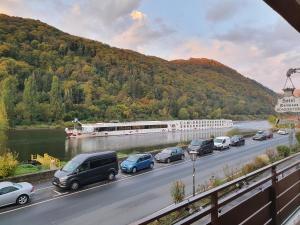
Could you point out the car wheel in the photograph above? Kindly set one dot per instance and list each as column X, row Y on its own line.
column 151, row 165
column 168, row 160
column 22, row 199
column 74, row 186
column 111, row 176
column 134, row 170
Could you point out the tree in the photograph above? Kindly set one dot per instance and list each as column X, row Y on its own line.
column 3, row 116
column 183, row 114
column 9, row 97
column 56, row 101
column 30, row 96
column 88, row 93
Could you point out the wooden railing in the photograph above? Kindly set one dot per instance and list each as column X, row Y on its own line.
column 268, row 201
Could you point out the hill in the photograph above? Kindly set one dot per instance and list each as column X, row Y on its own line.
column 48, row 75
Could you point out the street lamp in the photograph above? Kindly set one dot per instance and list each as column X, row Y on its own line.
column 193, row 155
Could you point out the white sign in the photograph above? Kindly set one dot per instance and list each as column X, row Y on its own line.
column 288, row 104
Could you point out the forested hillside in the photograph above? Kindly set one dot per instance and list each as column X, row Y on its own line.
column 48, row 76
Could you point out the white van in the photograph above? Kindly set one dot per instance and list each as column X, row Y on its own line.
column 221, row 143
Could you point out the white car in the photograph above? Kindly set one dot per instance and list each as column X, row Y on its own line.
column 221, row 143
column 15, row 193
column 282, row 132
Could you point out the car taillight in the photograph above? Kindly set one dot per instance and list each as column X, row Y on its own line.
column 32, row 189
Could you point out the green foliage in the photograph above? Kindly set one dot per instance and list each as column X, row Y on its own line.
column 3, row 116
column 26, row 169
column 283, row 151
column 62, row 76
column 8, row 164
column 56, row 101
column 178, row 191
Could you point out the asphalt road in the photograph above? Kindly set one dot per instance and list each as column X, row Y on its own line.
column 129, row 198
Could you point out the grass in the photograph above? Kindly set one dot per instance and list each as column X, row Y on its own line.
column 245, row 133
column 26, row 169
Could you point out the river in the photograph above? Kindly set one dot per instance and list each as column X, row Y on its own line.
column 54, row 142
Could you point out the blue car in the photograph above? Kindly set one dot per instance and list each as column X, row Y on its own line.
column 137, row 162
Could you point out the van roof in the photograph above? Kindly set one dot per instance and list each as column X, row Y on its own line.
column 84, row 156
column 222, row 137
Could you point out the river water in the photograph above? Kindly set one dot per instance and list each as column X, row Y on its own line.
column 54, row 142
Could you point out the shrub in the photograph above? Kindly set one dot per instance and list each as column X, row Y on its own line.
column 178, row 191
column 272, row 154
column 298, row 136
column 283, row 151
column 8, row 164
column 248, row 168
column 261, row 161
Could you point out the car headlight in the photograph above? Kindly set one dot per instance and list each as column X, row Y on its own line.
column 63, row 179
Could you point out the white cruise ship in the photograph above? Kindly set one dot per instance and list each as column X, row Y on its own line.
column 143, row 127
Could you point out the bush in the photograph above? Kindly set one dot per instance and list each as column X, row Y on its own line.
column 272, row 154
column 283, row 151
column 261, row 161
column 8, row 164
column 248, row 168
column 298, row 136
column 178, row 191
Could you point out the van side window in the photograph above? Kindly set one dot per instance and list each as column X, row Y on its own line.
column 83, row 167
column 101, row 162
column 96, row 163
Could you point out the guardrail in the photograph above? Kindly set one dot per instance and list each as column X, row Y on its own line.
column 268, row 201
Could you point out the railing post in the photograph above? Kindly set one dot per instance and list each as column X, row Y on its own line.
column 273, row 196
column 215, row 209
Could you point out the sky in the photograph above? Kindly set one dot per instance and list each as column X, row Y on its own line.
column 246, row 35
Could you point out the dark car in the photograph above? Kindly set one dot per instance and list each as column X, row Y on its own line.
column 260, row 136
column 269, row 134
column 237, row 140
column 87, row 168
column 137, row 162
column 201, row 146
column 170, row 154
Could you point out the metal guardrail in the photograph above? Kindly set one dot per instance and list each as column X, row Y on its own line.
column 277, row 198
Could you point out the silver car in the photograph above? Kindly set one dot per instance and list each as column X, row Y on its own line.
column 15, row 193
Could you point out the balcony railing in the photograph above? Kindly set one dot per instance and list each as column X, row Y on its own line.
column 270, row 200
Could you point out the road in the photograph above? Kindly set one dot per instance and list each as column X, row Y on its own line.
column 129, row 197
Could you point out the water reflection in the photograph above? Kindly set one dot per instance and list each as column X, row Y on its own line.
column 117, row 143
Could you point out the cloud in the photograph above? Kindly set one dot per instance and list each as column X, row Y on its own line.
column 137, row 15
column 142, row 32
column 222, row 10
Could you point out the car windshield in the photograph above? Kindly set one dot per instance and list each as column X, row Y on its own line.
column 235, row 138
column 260, row 132
column 19, row 186
column 71, row 166
column 218, row 140
column 133, row 158
column 196, row 142
column 167, row 151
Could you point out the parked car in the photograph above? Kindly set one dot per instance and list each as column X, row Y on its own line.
column 260, row 135
column 15, row 193
column 137, row 162
column 221, row 143
column 268, row 133
column 237, row 140
column 87, row 168
column 201, row 146
column 282, row 132
column 170, row 154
